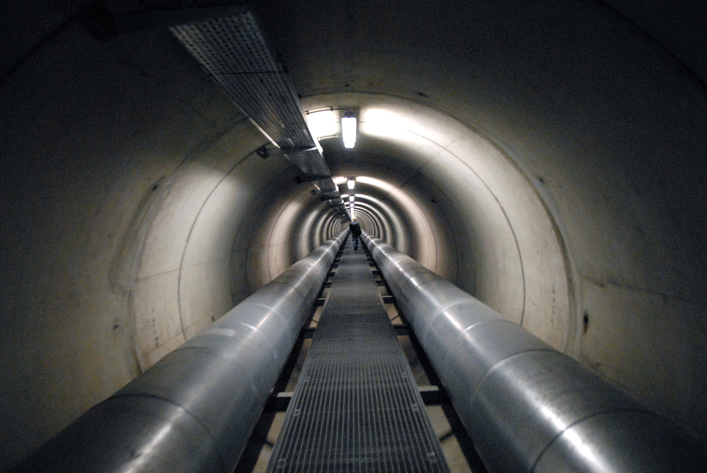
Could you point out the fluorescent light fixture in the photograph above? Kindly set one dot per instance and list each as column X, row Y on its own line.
column 351, row 198
column 348, row 130
column 322, row 123
column 351, row 183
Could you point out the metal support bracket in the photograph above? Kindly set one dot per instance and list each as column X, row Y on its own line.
column 324, row 198
column 307, row 332
column 278, row 402
column 401, row 330
column 431, row 396
column 265, row 153
column 301, row 179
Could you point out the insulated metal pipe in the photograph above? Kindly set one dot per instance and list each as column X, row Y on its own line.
column 194, row 410
column 528, row 407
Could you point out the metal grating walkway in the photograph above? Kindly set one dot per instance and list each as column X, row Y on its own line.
column 356, row 407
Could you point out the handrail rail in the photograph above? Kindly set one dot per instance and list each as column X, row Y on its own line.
column 194, row 410
column 526, row 406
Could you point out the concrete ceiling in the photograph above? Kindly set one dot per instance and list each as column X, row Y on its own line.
column 547, row 157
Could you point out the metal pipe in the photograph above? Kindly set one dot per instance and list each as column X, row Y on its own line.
column 528, row 407
column 194, row 410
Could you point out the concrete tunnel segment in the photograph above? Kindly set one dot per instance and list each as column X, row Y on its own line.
column 553, row 152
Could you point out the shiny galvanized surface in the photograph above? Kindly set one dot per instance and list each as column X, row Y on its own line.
column 236, row 53
column 527, row 407
column 605, row 443
column 356, row 407
column 194, row 410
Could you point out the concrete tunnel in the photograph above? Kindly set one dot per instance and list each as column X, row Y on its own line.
column 546, row 157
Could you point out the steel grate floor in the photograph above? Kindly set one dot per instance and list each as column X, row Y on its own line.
column 356, row 407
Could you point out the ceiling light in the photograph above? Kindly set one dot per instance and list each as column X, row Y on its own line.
column 351, row 183
column 322, row 123
column 351, row 198
column 348, row 130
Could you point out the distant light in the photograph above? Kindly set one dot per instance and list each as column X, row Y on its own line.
column 348, row 130
column 351, row 183
column 351, row 198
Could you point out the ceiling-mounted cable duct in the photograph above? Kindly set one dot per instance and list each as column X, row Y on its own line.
column 234, row 51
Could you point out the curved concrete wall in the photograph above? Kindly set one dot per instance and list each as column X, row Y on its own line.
column 545, row 157
column 469, row 214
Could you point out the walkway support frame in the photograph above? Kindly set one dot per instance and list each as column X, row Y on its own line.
column 194, row 410
column 528, row 407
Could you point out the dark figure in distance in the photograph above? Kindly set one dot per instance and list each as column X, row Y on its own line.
column 355, row 231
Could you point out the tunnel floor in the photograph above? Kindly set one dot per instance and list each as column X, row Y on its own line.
column 356, row 406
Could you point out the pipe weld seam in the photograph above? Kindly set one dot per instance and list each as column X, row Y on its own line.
column 583, row 419
column 191, row 414
column 220, row 353
column 459, row 340
column 503, row 360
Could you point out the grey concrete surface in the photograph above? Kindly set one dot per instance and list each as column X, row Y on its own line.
column 547, row 157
